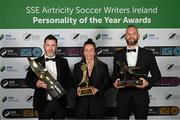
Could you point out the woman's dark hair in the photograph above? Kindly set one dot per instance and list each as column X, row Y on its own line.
column 50, row 37
column 88, row 42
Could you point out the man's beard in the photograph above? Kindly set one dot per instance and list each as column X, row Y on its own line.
column 50, row 54
column 132, row 43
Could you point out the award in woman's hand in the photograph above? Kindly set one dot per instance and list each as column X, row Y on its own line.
column 85, row 89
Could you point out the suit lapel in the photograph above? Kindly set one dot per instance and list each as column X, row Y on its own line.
column 42, row 61
column 58, row 65
column 139, row 57
column 125, row 56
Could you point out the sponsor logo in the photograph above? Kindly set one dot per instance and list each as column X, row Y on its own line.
column 122, row 36
column 78, row 51
column 172, row 67
column 10, row 68
column 145, row 36
column 163, row 110
column 150, row 36
column 170, row 51
column 78, row 36
column 103, row 36
column 29, row 36
column 4, row 99
column 10, row 99
column 2, row 68
column 6, row 113
column 1, row 36
column 169, row 81
column 8, row 37
column 69, row 51
column 165, row 50
column 99, row 51
column 4, row 83
column 107, row 51
column 20, row 113
column 3, row 52
column 58, row 36
column 13, row 83
column 171, row 96
column 20, row 52
column 173, row 36
column 29, row 98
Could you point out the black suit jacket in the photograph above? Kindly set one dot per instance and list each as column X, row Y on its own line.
column 64, row 77
column 100, row 80
column 147, row 63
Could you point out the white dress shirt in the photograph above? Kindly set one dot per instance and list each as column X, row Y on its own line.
column 51, row 67
column 132, row 57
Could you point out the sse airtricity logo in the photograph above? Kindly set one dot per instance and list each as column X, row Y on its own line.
column 20, row 52
column 1, row 36
column 103, row 36
column 150, row 36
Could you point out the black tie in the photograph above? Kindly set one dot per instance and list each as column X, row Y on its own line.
column 53, row 59
column 131, row 50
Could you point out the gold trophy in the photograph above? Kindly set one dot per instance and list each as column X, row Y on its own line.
column 128, row 76
column 54, row 88
column 85, row 89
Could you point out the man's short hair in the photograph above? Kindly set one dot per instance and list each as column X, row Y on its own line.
column 129, row 26
column 50, row 37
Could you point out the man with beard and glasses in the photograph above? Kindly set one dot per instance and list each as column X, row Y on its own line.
column 134, row 99
column 46, row 106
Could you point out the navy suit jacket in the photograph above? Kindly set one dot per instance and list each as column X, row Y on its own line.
column 64, row 77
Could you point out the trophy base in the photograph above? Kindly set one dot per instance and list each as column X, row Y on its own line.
column 130, row 83
column 56, row 93
column 84, row 91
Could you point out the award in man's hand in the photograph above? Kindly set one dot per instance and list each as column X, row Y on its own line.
column 85, row 89
column 128, row 75
column 54, row 88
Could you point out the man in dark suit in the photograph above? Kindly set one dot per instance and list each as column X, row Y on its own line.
column 91, row 106
column 58, row 67
column 134, row 99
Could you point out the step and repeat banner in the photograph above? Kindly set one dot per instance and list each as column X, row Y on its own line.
column 25, row 23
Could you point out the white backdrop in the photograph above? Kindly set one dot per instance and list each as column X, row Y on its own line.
column 16, row 98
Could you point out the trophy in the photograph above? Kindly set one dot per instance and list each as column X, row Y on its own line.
column 85, row 89
column 54, row 88
column 128, row 75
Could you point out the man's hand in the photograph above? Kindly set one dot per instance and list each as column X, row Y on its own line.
column 117, row 85
column 41, row 84
column 144, row 83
